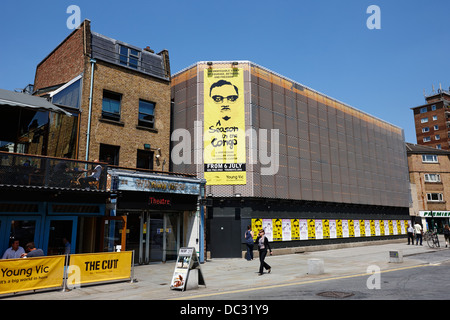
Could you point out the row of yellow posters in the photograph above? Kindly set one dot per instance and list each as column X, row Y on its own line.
column 317, row 229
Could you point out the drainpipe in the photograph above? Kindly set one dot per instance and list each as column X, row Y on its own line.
column 88, row 134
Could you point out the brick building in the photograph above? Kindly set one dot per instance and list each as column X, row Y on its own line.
column 432, row 121
column 429, row 174
column 119, row 98
column 123, row 110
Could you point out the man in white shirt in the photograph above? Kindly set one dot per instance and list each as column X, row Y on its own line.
column 418, row 232
column 95, row 176
column 14, row 252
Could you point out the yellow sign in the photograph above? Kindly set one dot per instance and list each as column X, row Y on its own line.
column 295, row 229
column 224, row 127
column 326, row 228
column 31, row 274
column 351, row 228
column 311, row 229
column 277, row 230
column 96, row 267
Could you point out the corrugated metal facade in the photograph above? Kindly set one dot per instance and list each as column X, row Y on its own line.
column 328, row 151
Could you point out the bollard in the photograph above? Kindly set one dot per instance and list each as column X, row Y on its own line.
column 396, row 256
column 315, row 266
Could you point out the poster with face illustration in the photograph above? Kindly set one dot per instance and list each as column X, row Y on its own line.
column 224, row 127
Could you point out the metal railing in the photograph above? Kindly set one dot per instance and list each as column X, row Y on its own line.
column 41, row 171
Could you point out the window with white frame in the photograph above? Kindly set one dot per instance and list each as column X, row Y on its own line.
column 426, row 139
column 435, row 197
column 432, row 177
column 424, row 120
column 426, row 129
column 437, row 137
column 430, row 158
column 433, row 107
column 436, row 127
column 434, row 118
column 423, row 110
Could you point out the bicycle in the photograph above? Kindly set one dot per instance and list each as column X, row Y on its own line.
column 431, row 237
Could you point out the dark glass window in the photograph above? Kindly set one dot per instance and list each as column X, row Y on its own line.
column 146, row 114
column 144, row 159
column 128, row 57
column 111, row 105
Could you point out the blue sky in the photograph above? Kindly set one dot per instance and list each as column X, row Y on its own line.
column 323, row 44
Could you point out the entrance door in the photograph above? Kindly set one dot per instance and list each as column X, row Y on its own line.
column 114, row 234
column 60, row 235
column 155, row 236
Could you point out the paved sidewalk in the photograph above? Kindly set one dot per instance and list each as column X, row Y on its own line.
column 222, row 275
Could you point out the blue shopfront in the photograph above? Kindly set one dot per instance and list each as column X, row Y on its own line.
column 52, row 219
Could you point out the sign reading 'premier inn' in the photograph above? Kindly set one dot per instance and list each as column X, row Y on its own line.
column 434, row 214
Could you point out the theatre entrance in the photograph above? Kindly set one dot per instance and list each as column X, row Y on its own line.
column 154, row 236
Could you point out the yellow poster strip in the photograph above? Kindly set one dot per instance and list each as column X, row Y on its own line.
column 224, row 127
column 18, row 275
column 98, row 267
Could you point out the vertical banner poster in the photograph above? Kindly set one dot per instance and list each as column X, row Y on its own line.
column 377, row 227
column 356, row 228
column 362, row 228
column 319, row 229
column 277, row 230
column 394, row 227
column 399, row 227
column 345, row 229
column 224, row 126
column 382, row 228
column 311, row 229
column 268, row 228
column 333, row 231
column 304, row 234
column 372, row 228
column 391, row 228
column 326, row 228
column 339, row 228
column 256, row 226
column 351, row 228
column 295, row 229
column 386, row 228
column 367, row 228
column 287, row 229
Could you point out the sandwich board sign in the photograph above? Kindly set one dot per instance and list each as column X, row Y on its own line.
column 186, row 262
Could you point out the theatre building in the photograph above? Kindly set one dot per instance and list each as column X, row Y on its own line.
column 278, row 155
column 115, row 97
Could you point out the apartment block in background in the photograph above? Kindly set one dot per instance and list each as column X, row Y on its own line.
column 432, row 121
column 429, row 174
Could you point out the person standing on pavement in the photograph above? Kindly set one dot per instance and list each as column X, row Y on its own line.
column 447, row 235
column 410, row 234
column 418, row 232
column 249, row 242
column 263, row 245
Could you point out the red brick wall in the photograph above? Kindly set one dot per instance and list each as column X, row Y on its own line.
column 65, row 62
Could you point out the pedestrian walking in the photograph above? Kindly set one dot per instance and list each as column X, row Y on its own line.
column 418, row 231
column 263, row 245
column 447, row 235
column 249, row 242
column 410, row 234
